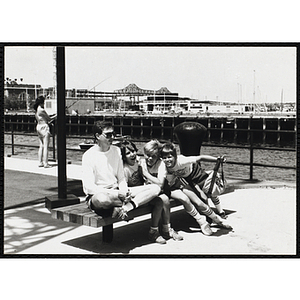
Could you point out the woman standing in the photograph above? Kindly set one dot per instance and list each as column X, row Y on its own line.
column 43, row 130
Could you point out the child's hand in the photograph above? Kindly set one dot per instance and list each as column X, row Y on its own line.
column 223, row 159
column 124, row 197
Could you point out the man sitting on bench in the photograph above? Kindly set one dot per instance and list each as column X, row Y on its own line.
column 103, row 178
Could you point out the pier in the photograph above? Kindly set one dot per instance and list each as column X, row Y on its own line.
column 266, row 129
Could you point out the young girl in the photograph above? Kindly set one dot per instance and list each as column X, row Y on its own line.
column 186, row 167
column 139, row 193
column 43, row 131
column 154, row 170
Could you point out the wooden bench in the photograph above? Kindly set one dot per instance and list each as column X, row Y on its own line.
column 81, row 214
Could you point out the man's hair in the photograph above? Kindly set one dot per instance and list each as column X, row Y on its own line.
column 168, row 148
column 127, row 145
column 100, row 125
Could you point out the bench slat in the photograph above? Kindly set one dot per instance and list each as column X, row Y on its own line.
column 81, row 214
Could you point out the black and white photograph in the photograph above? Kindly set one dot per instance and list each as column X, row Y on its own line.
column 150, row 149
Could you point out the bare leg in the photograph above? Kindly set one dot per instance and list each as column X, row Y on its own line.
column 45, row 151
column 166, row 209
column 205, row 209
column 156, row 212
column 179, row 195
column 40, row 152
column 167, row 230
column 191, row 210
column 154, row 235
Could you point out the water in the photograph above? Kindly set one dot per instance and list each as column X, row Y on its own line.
column 272, row 157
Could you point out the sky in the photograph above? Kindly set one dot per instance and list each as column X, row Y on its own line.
column 234, row 74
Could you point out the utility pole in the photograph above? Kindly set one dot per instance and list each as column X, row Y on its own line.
column 62, row 199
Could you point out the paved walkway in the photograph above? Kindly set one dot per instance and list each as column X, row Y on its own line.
column 263, row 215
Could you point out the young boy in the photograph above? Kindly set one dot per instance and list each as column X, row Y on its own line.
column 186, row 167
column 152, row 166
column 154, row 171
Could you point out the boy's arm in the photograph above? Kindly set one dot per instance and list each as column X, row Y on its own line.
column 162, row 173
column 193, row 159
column 147, row 175
column 208, row 158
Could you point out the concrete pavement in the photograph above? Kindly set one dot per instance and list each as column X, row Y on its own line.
column 263, row 215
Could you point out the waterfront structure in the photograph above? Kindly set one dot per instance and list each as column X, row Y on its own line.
column 26, row 93
column 134, row 99
column 266, row 129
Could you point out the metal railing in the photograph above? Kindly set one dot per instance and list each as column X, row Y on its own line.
column 251, row 146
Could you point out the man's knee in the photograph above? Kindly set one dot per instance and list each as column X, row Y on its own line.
column 104, row 201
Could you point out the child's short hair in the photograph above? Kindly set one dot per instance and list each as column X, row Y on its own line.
column 152, row 146
column 168, row 148
column 100, row 125
column 127, row 145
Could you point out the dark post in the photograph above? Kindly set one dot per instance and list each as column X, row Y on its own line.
column 12, row 142
column 251, row 155
column 53, row 141
column 61, row 122
column 190, row 136
column 62, row 199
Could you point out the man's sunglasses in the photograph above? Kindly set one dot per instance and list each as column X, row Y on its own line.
column 109, row 135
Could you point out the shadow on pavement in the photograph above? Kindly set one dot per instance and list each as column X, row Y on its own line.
column 24, row 188
column 28, row 227
column 135, row 235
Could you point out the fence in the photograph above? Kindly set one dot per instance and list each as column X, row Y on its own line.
column 121, row 128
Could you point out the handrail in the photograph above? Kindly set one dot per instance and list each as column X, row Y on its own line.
column 250, row 146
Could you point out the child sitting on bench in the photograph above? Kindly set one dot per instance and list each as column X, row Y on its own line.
column 139, row 193
column 155, row 170
column 186, row 167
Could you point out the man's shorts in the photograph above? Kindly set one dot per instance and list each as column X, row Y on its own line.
column 101, row 212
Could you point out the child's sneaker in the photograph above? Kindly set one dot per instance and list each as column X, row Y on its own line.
column 171, row 233
column 223, row 215
column 221, row 222
column 154, row 236
column 224, row 224
column 206, row 230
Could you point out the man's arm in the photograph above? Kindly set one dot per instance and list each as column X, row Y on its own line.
column 88, row 178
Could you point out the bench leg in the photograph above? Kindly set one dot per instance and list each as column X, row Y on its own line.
column 107, row 233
